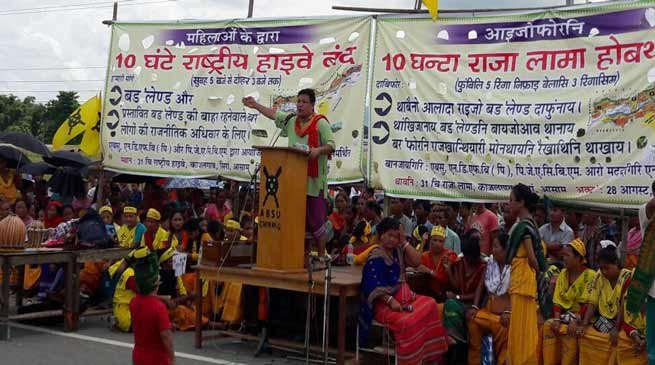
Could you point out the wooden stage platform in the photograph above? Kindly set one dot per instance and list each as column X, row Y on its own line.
column 345, row 284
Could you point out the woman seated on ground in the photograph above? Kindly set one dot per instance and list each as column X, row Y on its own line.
column 560, row 344
column 467, row 272
column 465, row 276
column 68, row 213
column 23, row 212
column 437, row 261
column 493, row 318
column 414, row 320
column 181, row 303
column 599, row 330
column 361, row 241
column 111, row 227
column 337, row 216
column 53, row 215
column 231, row 298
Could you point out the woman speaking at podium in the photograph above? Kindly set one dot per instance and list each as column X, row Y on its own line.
column 310, row 131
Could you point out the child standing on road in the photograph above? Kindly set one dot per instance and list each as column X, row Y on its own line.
column 153, row 335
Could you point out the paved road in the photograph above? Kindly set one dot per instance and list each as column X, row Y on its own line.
column 95, row 344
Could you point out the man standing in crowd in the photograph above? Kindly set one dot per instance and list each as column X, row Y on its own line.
column 556, row 233
column 396, row 208
column 591, row 234
column 311, row 131
column 421, row 211
column 454, row 222
column 486, row 222
column 452, row 241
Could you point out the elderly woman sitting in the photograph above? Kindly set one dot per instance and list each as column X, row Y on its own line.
column 414, row 320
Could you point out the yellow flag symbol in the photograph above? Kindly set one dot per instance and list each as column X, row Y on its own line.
column 433, row 7
column 76, row 124
column 90, row 144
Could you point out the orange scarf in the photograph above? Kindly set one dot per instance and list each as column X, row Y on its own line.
column 313, row 141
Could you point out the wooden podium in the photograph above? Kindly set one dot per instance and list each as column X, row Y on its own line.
column 282, row 204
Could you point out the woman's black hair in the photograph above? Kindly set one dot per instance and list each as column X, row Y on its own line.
column 342, row 194
column 192, row 225
column 215, row 228
column 576, row 253
column 64, row 208
column 608, row 255
column 422, row 203
column 374, row 206
column 310, row 93
column 170, row 218
column 529, row 198
column 387, row 224
column 503, row 239
column 359, row 229
column 471, row 248
column 245, row 220
column 471, row 233
column 422, row 229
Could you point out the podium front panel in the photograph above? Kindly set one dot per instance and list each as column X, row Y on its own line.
column 282, row 204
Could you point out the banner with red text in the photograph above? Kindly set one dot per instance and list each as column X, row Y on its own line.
column 173, row 106
column 561, row 101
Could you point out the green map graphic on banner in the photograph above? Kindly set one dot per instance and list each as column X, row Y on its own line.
column 172, row 104
column 561, row 101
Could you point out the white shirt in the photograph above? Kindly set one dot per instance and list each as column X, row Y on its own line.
column 497, row 282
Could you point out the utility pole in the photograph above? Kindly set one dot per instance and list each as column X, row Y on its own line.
column 251, row 5
column 114, row 16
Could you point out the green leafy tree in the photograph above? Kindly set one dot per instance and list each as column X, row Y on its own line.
column 28, row 116
column 57, row 111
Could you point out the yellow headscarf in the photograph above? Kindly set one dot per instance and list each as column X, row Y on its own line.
column 364, row 237
column 578, row 246
column 129, row 210
column 232, row 224
column 438, row 231
column 107, row 209
column 153, row 214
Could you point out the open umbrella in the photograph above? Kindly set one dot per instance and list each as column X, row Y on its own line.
column 68, row 158
column 26, row 142
column 204, row 184
column 133, row 179
column 13, row 156
column 67, row 182
column 37, row 169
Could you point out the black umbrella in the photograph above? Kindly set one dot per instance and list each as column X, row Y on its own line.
column 67, row 182
column 68, row 158
column 13, row 156
column 26, row 142
column 133, row 179
column 37, row 169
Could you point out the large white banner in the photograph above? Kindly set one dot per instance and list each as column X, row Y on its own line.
column 463, row 109
column 173, row 106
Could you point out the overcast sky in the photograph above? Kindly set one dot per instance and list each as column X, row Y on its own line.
column 38, row 34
